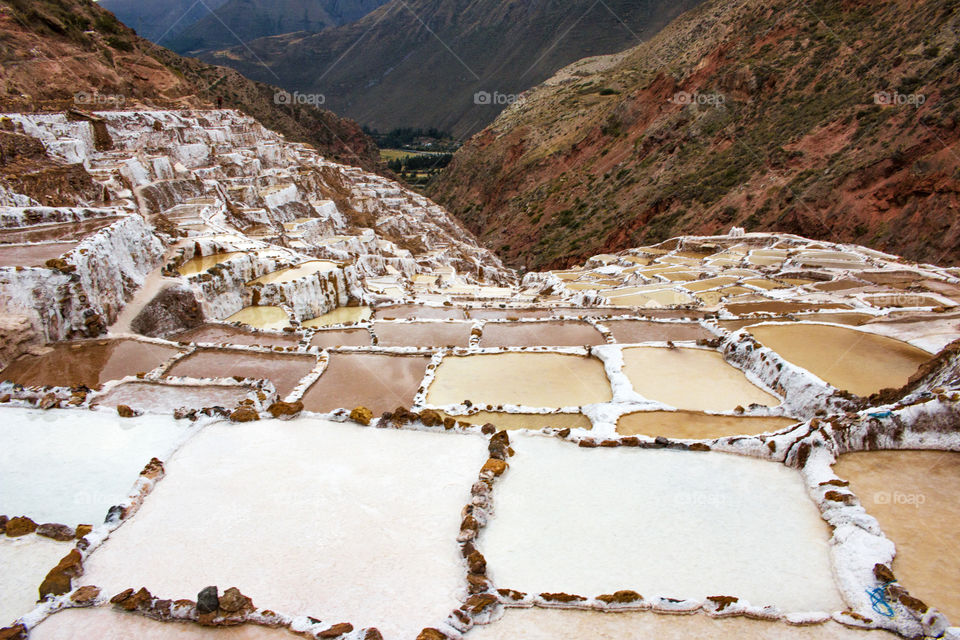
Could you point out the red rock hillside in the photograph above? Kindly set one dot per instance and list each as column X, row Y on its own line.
column 831, row 119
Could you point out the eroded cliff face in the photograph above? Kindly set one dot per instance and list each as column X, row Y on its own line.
column 841, row 127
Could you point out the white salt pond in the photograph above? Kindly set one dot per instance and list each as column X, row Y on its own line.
column 165, row 398
column 528, row 379
column 556, row 624
column 106, row 623
column 690, row 525
column 345, row 523
column 71, row 466
column 25, row 562
column 693, row 379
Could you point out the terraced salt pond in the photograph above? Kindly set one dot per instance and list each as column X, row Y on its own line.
column 694, row 425
column 225, row 334
column 340, row 315
column 635, row 331
column 89, row 363
column 164, row 398
column 526, row 379
column 25, row 561
column 265, row 317
column 530, row 334
column 378, row 520
column 106, row 623
column 696, row 525
column 379, row 382
column 671, row 376
column 200, row 264
column 341, row 338
column 914, row 496
column 420, row 312
column 303, row 270
column 285, row 371
column 511, row 421
column 71, row 466
column 422, row 334
column 33, row 255
column 859, row 362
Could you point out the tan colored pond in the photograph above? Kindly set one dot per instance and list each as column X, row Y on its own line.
column 58, row 231
column 340, row 315
column 777, row 306
column 285, row 371
column 512, row 421
column 308, row 268
column 709, row 283
column 419, row 311
column 862, row 363
column 508, row 314
column 530, row 334
column 530, row 379
column 33, row 255
column 341, row 338
column 914, row 496
column 694, row 425
column 661, row 298
column 693, row 379
column 200, row 264
column 226, row 334
column 89, row 363
column 379, row 382
column 265, row 317
column 633, row 331
column 423, row 334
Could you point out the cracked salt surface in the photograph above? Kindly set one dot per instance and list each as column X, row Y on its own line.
column 70, row 467
column 669, row 523
column 338, row 522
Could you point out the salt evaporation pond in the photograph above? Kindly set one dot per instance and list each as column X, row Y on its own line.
column 528, row 379
column 33, row 255
column 341, row 338
column 71, row 466
column 420, row 312
column 692, row 525
column 692, row 379
column 370, row 538
column 855, row 361
column 695, row 425
column 25, row 560
column 531, row 334
column 534, row 421
column 422, row 334
column 914, row 496
column 308, row 268
column 340, row 315
column 89, row 363
column 378, row 382
column 556, row 624
column 285, row 371
column 201, row 264
column 107, row 623
column 165, row 398
column 265, row 317
column 226, row 334
column 634, row 331
column 57, row 231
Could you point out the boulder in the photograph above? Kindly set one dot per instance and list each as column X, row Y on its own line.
column 174, row 309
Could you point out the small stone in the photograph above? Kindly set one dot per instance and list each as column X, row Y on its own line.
column 373, row 634
column 699, row 446
column 60, row 532
column 85, row 595
column 285, row 409
column 244, row 414
column 477, row 563
column 722, row 602
column 208, row 601
column 449, row 423
column 362, row 415
column 336, row 630
column 564, row 433
column 844, row 498
column 16, row 632
column 587, row 444
column 232, row 601
column 914, row 604
column 431, row 418
column 57, row 581
column 620, row 597
column 130, row 601
column 431, row 634
column 883, row 573
column 494, row 466
column 125, row 412
column 83, row 530
column 561, row 597
column 3, row 523
column 512, row 594
column 21, row 526
column 49, row 401
column 479, row 602
column 488, row 429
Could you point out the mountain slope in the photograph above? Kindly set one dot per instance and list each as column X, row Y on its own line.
column 61, row 54
column 159, row 19
column 251, row 19
column 419, row 63
column 833, row 120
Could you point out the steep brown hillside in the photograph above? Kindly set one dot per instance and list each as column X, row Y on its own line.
column 832, row 119
column 59, row 54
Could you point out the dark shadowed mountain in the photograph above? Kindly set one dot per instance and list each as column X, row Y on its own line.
column 160, row 19
column 421, row 63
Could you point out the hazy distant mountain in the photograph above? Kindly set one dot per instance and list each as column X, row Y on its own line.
column 420, row 62
column 240, row 21
column 160, row 19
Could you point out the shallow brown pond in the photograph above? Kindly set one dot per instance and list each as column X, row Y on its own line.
column 341, row 338
column 531, row 334
column 285, row 371
column 423, row 334
column 89, row 363
column 379, row 382
column 776, row 306
column 694, row 425
column 225, row 334
column 33, row 255
column 414, row 311
column 512, row 421
column 59, row 231
column 631, row 331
